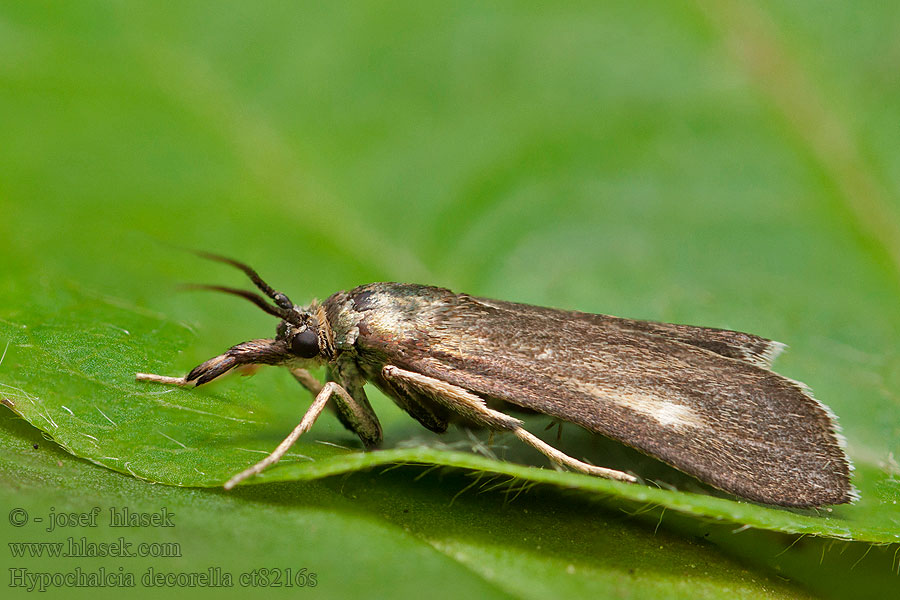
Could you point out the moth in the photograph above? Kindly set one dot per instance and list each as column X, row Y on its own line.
column 703, row 400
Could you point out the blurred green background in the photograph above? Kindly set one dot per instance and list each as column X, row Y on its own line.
column 718, row 163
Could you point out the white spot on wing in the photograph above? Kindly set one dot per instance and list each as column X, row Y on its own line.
column 665, row 412
column 675, row 415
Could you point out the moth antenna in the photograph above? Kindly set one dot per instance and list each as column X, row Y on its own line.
column 256, row 299
column 280, row 299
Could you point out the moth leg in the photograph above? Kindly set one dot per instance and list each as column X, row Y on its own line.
column 254, row 352
column 306, row 379
column 164, row 379
column 357, row 416
column 328, row 390
column 474, row 408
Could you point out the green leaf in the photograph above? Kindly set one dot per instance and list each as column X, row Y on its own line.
column 725, row 165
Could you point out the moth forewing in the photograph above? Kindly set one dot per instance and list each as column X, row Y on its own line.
column 694, row 397
column 700, row 399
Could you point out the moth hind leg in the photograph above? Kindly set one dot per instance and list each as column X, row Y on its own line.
column 474, row 408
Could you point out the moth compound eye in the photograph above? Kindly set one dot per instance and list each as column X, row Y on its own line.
column 305, row 344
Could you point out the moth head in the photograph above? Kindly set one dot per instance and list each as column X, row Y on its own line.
column 304, row 341
column 301, row 329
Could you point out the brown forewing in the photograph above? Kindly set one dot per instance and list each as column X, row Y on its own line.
column 697, row 398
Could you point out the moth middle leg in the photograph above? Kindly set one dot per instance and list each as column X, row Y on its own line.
column 474, row 408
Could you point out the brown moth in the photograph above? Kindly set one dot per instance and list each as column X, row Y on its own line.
column 703, row 400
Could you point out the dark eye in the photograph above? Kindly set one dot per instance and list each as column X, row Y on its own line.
column 305, row 344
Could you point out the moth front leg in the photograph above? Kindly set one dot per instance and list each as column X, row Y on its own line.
column 254, row 352
column 329, row 390
column 356, row 415
column 474, row 408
